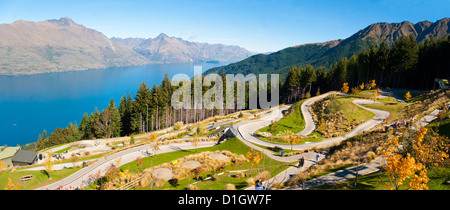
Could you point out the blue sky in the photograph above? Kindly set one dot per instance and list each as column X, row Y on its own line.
column 257, row 25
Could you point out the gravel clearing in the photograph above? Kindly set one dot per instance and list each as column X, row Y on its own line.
column 163, row 173
column 191, row 164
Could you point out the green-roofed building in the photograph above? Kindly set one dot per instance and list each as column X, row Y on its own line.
column 7, row 154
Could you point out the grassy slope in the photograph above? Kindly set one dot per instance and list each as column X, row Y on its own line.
column 349, row 109
column 379, row 181
column 292, row 121
column 444, row 128
column 39, row 178
column 233, row 145
column 391, row 105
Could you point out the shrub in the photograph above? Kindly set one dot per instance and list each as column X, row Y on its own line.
column 240, row 175
column 250, row 181
column 265, row 175
column 230, row 187
column 370, row 156
column 192, row 187
column 276, row 185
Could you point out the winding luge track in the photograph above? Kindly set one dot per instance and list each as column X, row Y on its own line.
column 245, row 130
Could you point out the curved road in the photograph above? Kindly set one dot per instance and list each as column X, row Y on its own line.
column 81, row 178
column 245, row 130
column 310, row 126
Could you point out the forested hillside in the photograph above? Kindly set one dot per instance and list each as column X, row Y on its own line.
column 148, row 110
column 326, row 54
column 405, row 64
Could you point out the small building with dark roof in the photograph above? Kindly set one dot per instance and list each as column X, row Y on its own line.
column 24, row 157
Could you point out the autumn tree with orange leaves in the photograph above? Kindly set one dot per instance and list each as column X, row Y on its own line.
column 11, row 185
column 345, row 87
column 294, row 139
column 408, row 167
column 430, row 149
column 254, row 157
column 403, row 170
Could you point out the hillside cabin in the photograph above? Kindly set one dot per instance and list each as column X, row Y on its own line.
column 24, row 157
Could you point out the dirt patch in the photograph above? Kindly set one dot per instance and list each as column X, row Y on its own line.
column 191, row 164
column 218, row 156
column 163, row 173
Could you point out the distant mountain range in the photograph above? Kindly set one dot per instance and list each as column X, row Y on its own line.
column 62, row 45
column 176, row 50
column 327, row 53
column 59, row 45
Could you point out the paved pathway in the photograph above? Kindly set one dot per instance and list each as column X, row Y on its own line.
column 428, row 118
column 81, row 178
column 310, row 126
column 56, row 166
column 245, row 130
column 341, row 175
column 291, row 171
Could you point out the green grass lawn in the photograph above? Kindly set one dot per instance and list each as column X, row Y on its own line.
column 379, row 181
column 391, row 105
column 39, row 178
column 312, row 137
column 364, row 94
column 438, row 175
column 350, row 110
column 233, row 145
column 444, row 128
column 293, row 121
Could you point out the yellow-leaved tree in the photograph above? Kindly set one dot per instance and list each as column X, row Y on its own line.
column 48, row 164
column 294, row 139
column 407, row 96
column 431, row 149
column 375, row 95
column 254, row 157
column 154, row 145
column 403, row 170
column 345, row 87
column 194, row 143
column 373, row 84
column 11, row 185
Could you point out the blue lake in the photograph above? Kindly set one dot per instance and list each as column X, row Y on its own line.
column 31, row 103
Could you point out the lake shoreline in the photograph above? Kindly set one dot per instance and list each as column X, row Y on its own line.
column 33, row 102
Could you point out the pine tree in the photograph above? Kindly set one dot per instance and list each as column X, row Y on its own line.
column 84, row 126
column 124, row 116
column 116, row 124
column 340, row 72
column 142, row 104
column 291, row 84
column 403, row 59
column 382, row 61
column 90, row 132
column 308, row 76
column 102, row 125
